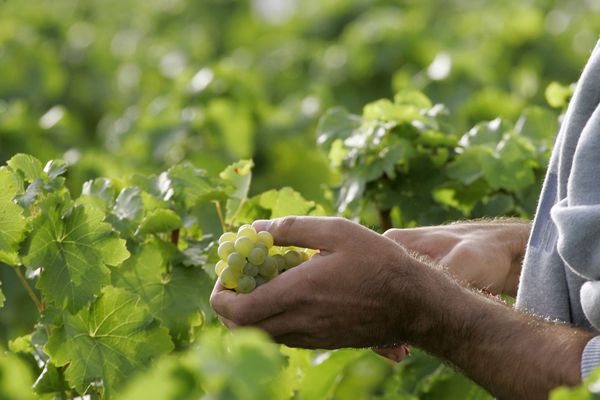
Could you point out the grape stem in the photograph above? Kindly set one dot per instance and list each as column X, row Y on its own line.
column 385, row 219
column 29, row 290
column 220, row 215
column 175, row 237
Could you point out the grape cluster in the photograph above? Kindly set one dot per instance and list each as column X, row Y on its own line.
column 249, row 259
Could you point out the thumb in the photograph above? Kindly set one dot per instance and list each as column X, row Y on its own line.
column 322, row 233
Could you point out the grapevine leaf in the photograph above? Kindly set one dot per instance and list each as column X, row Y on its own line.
column 15, row 378
column 2, row 297
column 193, row 186
column 28, row 166
column 336, row 123
column 109, row 340
column 466, row 168
column 55, row 168
column 12, row 222
column 240, row 175
column 10, row 185
column 320, row 381
column 102, row 188
column 160, row 220
column 73, row 251
column 288, row 202
column 174, row 297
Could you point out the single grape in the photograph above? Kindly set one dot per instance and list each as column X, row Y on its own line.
column 227, row 237
column 260, row 280
column 292, row 258
column 225, row 249
column 236, row 261
column 261, row 245
column 280, row 262
column 257, row 256
column 220, row 266
column 229, row 278
column 265, row 237
column 244, row 245
column 245, row 284
column 251, row 269
column 268, row 269
column 247, row 231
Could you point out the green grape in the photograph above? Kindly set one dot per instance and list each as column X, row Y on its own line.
column 227, row 237
column 225, row 249
column 251, row 269
column 261, row 245
column 247, row 231
column 245, row 284
column 244, row 245
column 236, row 261
column 229, row 278
column 260, row 280
column 292, row 258
column 280, row 262
column 268, row 269
column 220, row 266
column 257, row 256
column 265, row 237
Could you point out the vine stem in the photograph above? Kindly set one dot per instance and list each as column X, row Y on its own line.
column 385, row 219
column 29, row 290
column 220, row 215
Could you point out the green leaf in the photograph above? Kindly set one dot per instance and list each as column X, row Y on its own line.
column 336, row 123
column 28, row 166
column 239, row 175
column 385, row 110
column 466, row 167
column 287, row 201
column 109, row 340
column 174, row 297
column 413, row 98
column 558, row 95
column 321, row 380
column 10, row 185
column 74, row 251
column 487, row 133
column 12, row 222
column 160, row 220
column 193, row 186
column 15, row 378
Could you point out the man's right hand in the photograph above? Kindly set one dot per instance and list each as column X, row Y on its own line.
column 482, row 254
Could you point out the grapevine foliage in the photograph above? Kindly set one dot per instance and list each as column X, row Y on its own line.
column 121, row 274
column 406, row 160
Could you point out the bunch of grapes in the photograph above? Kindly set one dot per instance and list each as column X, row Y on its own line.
column 249, row 259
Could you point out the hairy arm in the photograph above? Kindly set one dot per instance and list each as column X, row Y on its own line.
column 512, row 354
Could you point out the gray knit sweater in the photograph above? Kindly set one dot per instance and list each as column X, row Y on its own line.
column 561, row 271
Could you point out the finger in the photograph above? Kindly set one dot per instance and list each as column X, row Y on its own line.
column 396, row 354
column 321, row 233
column 228, row 323
column 285, row 323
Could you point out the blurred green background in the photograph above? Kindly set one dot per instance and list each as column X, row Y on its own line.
column 115, row 86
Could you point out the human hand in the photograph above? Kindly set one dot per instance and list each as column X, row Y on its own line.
column 483, row 255
column 354, row 293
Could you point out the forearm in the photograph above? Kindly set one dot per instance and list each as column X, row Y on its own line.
column 512, row 354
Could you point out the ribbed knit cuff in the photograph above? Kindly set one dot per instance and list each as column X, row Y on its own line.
column 590, row 359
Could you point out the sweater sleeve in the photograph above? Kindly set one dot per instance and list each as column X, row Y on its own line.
column 590, row 359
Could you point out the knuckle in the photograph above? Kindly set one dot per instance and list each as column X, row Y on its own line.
column 284, row 225
column 392, row 233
